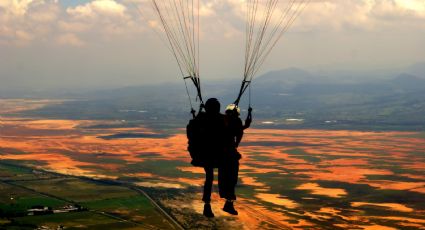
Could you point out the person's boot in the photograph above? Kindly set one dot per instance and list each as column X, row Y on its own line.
column 207, row 210
column 228, row 207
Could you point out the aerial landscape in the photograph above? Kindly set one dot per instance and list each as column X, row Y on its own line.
column 93, row 131
column 288, row 179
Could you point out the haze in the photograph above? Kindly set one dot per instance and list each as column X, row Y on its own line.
column 105, row 43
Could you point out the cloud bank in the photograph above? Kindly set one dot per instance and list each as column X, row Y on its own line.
column 26, row 21
column 329, row 32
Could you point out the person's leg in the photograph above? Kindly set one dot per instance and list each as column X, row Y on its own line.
column 231, row 179
column 209, row 178
column 223, row 180
column 227, row 179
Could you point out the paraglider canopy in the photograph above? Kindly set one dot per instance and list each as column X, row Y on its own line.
column 266, row 22
column 180, row 23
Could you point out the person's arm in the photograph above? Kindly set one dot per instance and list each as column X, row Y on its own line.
column 239, row 133
column 248, row 119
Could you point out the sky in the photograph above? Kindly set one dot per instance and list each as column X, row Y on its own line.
column 59, row 44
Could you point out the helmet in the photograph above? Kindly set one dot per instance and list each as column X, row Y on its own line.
column 233, row 107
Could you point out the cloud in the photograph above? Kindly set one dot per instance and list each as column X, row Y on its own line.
column 117, row 39
column 98, row 8
column 362, row 14
column 70, row 39
column 101, row 20
column 405, row 10
column 44, row 13
column 325, row 15
column 73, row 26
column 417, row 6
column 22, row 38
column 15, row 8
column 25, row 21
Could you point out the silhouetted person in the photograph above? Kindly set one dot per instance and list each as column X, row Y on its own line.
column 229, row 167
column 213, row 142
column 206, row 145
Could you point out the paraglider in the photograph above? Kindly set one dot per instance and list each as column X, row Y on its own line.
column 213, row 137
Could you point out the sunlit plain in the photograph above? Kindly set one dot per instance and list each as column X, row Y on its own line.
column 295, row 178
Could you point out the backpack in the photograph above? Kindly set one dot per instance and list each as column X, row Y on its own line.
column 204, row 150
column 194, row 145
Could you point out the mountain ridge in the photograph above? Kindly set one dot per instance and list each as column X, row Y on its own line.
column 279, row 95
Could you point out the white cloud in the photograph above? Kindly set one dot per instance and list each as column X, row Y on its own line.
column 406, row 10
column 98, row 8
column 16, row 8
column 44, row 13
column 26, row 20
column 101, row 20
column 23, row 38
column 328, row 31
column 330, row 14
column 417, row 6
column 70, row 39
column 363, row 14
column 221, row 19
column 76, row 27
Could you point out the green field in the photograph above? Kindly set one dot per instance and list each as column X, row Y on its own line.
column 78, row 190
column 105, row 206
column 15, row 201
column 78, row 220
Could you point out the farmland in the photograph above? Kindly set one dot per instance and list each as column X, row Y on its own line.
column 307, row 178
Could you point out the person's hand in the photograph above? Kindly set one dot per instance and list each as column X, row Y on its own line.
column 248, row 122
column 249, row 117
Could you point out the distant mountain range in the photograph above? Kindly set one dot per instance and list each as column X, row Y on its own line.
column 316, row 101
column 417, row 69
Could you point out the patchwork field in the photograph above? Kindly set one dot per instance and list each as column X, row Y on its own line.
column 102, row 205
column 289, row 179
